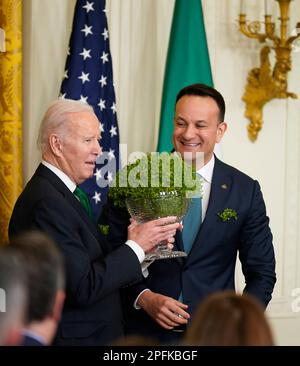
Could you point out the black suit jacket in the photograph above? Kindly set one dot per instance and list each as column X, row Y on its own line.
column 95, row 272
column 210, row 265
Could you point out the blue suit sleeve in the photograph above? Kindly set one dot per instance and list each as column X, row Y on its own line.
column 256, row 250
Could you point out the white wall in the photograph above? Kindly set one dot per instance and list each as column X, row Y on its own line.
column 139, row 31
column 274, row 158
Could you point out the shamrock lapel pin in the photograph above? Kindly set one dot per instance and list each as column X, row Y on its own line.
column 227, row 214
column 104, row 229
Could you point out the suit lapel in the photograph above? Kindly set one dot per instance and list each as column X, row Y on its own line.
column 219, row 193
column 69, row 196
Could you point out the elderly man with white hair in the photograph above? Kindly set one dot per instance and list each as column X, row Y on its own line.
column 95, row 272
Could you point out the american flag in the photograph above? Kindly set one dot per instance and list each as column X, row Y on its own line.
column 88, row 77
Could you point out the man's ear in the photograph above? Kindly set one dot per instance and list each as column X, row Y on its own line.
column 55, row 144
column 222, row 127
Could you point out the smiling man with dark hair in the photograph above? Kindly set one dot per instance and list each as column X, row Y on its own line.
column 229, row 221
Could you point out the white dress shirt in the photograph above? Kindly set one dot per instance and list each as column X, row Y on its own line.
column 206, row 173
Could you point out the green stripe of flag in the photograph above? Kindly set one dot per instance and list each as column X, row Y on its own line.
column 187, row 62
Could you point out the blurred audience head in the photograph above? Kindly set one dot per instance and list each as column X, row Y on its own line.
column 229, row 319
column 45, row 277
column 13, row 299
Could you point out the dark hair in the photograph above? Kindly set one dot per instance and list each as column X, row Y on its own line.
column 203, row 90
column 229, row 319
column 44, row 271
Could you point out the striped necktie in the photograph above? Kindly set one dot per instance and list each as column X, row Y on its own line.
column 84, row 200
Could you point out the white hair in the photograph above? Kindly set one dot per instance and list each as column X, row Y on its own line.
column 56, row 117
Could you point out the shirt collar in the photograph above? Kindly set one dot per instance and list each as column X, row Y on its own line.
column 34, row 335
column 206, row 171
column 61, row 175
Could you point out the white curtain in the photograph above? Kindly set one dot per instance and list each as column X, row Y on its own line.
column 139, row 35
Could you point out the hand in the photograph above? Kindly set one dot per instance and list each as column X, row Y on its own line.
column 169, row 243
column 166, row 311
column 149, row 234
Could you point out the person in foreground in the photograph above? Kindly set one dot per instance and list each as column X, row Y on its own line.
column 13, row 299
column 229, row 220
column 44, row 272
column 229, row 319
column 95, row 272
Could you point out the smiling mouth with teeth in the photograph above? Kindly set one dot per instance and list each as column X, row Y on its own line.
column 192, row 145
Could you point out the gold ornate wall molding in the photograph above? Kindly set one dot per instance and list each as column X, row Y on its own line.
column 265, row 83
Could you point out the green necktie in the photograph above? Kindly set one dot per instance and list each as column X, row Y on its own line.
column 84, row 200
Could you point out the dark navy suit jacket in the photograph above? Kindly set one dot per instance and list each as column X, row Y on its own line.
column 95, row 271
column 210, row 265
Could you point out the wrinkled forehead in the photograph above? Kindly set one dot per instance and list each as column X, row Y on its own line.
column 77, row 121
column 85, row 117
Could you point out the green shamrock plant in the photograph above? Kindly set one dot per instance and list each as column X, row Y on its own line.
column 228, row 214
column 153, row 174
